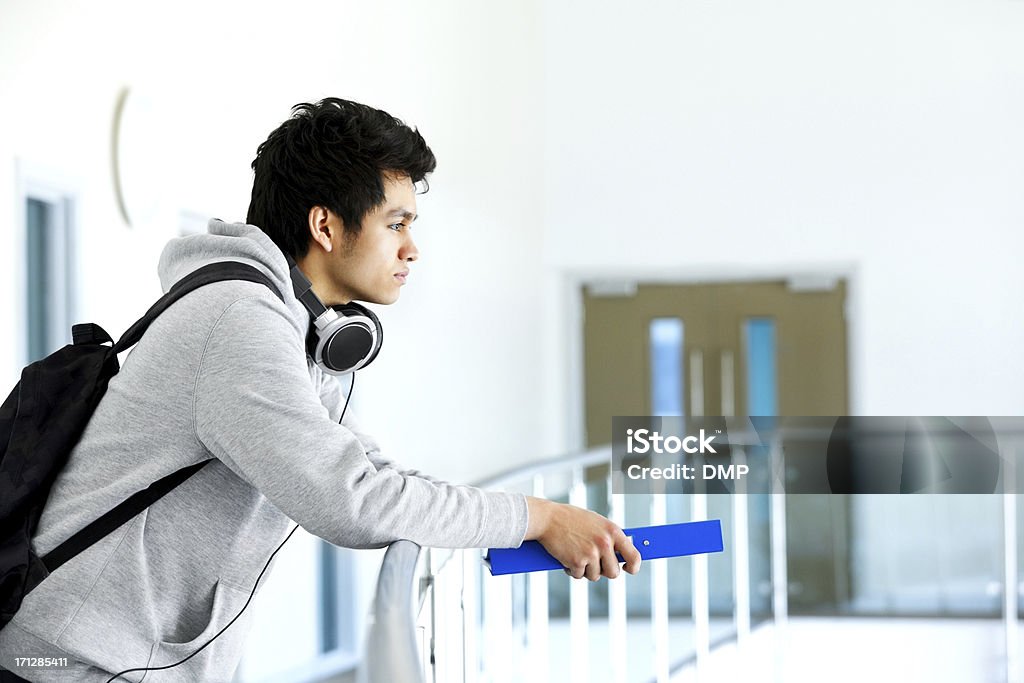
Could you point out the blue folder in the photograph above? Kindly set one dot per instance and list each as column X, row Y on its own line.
column 653, row 542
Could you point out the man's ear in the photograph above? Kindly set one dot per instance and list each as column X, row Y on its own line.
column 322, row 226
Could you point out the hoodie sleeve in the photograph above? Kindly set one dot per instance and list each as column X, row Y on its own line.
column 255, row 408
column 333, row 397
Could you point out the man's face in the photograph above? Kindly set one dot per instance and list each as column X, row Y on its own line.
column 372, row 265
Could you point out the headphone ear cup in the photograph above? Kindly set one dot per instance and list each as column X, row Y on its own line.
column 349, row 341
column 352, row 308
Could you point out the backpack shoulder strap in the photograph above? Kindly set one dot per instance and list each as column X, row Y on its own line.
column 139, row 501
column 114, row 518
column 213, row 272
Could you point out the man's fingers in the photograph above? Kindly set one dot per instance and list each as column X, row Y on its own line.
column 586, row 543
column 630, row 554
column 609, row 564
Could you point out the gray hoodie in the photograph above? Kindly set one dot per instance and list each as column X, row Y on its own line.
column 221, row 373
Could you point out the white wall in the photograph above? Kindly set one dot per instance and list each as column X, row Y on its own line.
column 465, row 75
column 881, row 139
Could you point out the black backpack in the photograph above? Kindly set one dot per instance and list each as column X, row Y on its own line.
column 42, row 420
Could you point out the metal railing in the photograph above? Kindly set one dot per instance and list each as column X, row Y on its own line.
column 438, row 615
column 392, row 653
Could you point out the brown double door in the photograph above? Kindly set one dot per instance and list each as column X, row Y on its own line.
column 733, row 349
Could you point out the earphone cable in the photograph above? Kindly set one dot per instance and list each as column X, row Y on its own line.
column 351, row 386
column 158, row 668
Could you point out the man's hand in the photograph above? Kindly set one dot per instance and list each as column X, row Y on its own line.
column 583, row 541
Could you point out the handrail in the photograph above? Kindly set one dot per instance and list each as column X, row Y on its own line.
column 391, row 652
column 594, row 456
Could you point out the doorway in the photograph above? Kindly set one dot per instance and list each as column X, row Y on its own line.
column 771, row 348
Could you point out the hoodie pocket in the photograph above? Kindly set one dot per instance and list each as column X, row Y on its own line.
column 218, row 660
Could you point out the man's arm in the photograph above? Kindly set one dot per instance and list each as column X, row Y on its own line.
column 256, row 410
column 578, row 538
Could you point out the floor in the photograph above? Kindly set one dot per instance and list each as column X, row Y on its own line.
column 859, row 650
column 810, row 650
column 841, row 650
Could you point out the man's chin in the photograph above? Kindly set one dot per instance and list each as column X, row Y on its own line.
column 380, row 300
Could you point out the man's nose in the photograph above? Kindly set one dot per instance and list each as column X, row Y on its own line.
column 409, row 251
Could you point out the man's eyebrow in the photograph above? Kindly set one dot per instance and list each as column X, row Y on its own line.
column 404, row 213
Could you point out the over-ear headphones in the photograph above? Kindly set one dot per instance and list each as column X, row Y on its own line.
column 341, row 338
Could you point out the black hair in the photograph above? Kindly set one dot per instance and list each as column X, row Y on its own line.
column 333, row 154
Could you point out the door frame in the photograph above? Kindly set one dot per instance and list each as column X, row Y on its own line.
column 571, row 295
column 58, row 186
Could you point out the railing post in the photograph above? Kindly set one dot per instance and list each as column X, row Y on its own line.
column 701, row 612
column 579, row 606
column 1010, row 565
column 780, row 578
column 741, row 562
column 537, row 616
column 617, row 614
column 470, row 607
column 445, row 657
column 659, row 592
column 498, row 628
column 429, row 586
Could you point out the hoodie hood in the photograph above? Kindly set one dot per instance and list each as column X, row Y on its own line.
column 232, row 242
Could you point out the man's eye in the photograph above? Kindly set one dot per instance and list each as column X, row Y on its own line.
column 397, row 226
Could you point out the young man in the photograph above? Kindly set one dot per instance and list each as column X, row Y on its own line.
column 226, row 373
